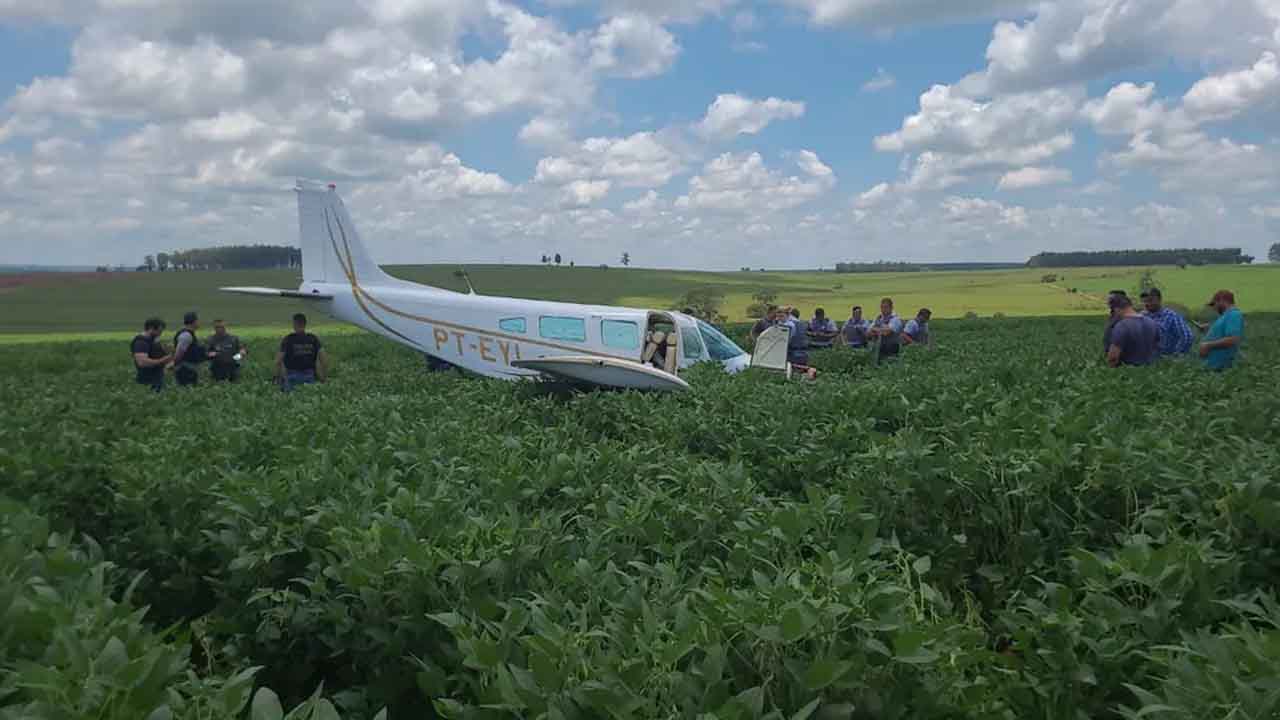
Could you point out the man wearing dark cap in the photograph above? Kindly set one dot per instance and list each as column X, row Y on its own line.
column 149, row 356
column 1135, row 340
column 1175, row 334
column 187, row 353
column 1222, row 343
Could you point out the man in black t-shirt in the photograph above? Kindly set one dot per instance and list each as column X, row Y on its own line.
column 225, row 353
column 301, row 359
column 149, row 357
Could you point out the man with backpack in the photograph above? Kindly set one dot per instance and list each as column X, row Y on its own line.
column 149, row 357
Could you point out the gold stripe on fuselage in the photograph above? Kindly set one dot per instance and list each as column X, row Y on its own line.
column 359, row 293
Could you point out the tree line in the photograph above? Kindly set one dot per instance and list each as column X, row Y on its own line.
column 228, row 257
column 1107, row 258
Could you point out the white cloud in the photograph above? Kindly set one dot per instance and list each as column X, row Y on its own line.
column 223, row 127
column 1079, row 40
column 544, row 131
column 1219, row 97
column 738, row 182
column 732, row 114
column 1033, row 177
column 633, row 46
column 646, row 203
column 956, row 137
column 892, row 13
column 580, row 193
column 881, row 81
column 640, row 160
column 680, row 11
column 873, row 197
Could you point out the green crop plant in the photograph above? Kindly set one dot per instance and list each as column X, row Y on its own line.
column 999, row 527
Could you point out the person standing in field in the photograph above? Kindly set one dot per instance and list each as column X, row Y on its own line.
column 149, row 357
column 887, row 327
column 1111, row 319
column 301, row 359
column 187, row 352
column 798, row 342
column 764, row 323
column 1175, row 334
column 1221, row 345
column 916, row 331
column 855, row 329
column 225, row 353
column 822, row 329
column 1135, row 339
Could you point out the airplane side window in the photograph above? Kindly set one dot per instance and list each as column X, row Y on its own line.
column 620, row 334
column 719, row 347
column 563, row 328
column 515, row 325
column 692, row 343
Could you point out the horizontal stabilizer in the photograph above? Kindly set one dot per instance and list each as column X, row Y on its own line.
column 274, row 292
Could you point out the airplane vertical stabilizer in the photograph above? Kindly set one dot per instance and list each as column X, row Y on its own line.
column 332, row 251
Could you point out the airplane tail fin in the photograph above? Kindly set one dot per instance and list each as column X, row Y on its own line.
column 332, row 251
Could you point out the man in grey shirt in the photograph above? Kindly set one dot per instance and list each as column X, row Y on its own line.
column 1135, row 339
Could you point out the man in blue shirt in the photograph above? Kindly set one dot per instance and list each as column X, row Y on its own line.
column 916, row 331
column 888, row 328
column 1222, row 343
column 1175, row 334
column 855, row 329
column 1135, row 339
column 822, row 330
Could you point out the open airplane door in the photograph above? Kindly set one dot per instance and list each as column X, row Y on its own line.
column 770, row 352
column 604, row 372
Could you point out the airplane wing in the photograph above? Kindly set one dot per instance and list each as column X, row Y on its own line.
column 273, row 292
column 604, row 372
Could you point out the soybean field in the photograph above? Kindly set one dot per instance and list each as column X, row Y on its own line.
column 1001, row 527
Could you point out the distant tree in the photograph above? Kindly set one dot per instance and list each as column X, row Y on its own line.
column 1183, row 262
column 703, row 303
column 1274, row 253
column 1112, row 258
column 570, row 263
column 150, row 262
column 1048, row 279
column 626, row 259
column 762, row 300
column 162, row 261
column 102, row 268
column 545, row 259
column 557, row 258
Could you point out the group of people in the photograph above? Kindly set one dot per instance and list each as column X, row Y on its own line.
column 1142, row 338
column 300, row 360
column 887, row 332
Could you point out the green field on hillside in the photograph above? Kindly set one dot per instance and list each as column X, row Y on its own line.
column 999, row 527
column 119, row 303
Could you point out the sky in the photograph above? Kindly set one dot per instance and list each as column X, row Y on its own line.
column 712, row 134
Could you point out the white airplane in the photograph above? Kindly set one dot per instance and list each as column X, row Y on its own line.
column 502, row 337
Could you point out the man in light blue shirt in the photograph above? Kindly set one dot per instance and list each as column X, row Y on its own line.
column 855, row 329
column 888, row 328
column 1222, row 343
column 916, row 331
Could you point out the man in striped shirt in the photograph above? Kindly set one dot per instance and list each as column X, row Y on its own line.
column 1176, row 337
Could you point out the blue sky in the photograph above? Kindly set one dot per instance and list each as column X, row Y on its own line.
column 693, row 133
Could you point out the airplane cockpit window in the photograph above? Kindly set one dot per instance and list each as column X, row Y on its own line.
column 515, row 325
column 620, row 334
column 719, row 347
column 692, row 343
column 563, row 328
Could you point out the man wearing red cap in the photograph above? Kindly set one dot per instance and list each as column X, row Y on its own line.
column 1222, row 342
